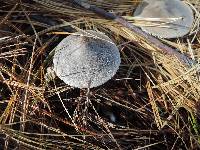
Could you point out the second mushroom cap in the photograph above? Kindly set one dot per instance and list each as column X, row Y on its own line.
column 166, row 9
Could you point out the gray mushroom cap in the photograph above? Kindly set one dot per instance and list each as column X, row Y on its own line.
column 166, row 9
column 88, row 60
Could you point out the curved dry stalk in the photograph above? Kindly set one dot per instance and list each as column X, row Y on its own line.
column 150, row 39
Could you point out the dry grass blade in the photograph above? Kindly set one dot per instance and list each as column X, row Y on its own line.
column 14, row 53
column 154, row 106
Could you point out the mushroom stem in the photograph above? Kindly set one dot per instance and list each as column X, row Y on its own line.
column 150, row 39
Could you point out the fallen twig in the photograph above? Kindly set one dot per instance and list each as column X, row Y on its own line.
column 157, row 44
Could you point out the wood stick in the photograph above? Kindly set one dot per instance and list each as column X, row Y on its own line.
column 157, row 44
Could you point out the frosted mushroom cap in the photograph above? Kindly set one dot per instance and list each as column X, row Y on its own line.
column 166, row 9
column 88, row 59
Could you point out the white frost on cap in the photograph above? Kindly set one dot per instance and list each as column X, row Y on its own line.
column 88, row 59
column 165, row 9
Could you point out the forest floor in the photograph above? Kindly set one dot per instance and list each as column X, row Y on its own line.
column 151, row 103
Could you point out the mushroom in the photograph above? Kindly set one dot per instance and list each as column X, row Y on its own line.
column 166, row 9
column 86, row 59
